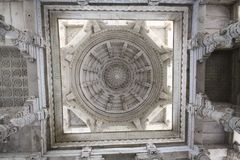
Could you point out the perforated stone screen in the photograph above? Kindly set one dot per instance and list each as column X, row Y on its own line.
column 13, row 78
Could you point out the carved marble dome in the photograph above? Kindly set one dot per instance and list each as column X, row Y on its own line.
column 116, row 74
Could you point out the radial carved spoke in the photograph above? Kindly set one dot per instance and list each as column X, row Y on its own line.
column 109, row 102
column 97, row 94
column 88, row 69
column 90, row 83
column 144, row 69
column 143, row 84
column 124, row 48
column 137, row 97
column 139, row 54
column 109, row 47
column 124, row 106
column 95, row 58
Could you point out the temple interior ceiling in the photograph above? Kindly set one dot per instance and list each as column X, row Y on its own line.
column 116, row 75
column 113, row 80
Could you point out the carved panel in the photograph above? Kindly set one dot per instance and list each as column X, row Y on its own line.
column 13, row 78
column 177, row 14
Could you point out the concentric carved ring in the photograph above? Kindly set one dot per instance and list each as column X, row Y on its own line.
column 116, row 75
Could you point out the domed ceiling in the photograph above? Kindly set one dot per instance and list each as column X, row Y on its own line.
column 115, row 77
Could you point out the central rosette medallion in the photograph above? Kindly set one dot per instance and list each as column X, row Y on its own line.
column 116, row 76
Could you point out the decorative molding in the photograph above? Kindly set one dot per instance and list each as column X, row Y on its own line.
column 204, row 44
column 217, row 1
column 92, row 2
column 205, row 109
column 25, row 41
column 158, row 2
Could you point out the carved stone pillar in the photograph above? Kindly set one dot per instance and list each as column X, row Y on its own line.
column 205, row 109
column 10, row 124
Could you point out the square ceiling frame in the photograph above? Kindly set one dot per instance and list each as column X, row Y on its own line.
column 179, row 15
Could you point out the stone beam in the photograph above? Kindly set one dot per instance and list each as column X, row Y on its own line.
column 205, row 109
column 25, row 41
column 204, row 44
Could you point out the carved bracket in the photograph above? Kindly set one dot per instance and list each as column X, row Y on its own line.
column 204, row 44
column 205, row 109
column 26, row 116
column 25, row 41
column 202, row 155
column 86, row 154
column 151, row 154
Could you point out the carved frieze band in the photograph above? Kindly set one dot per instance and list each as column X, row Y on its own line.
column 25, row 41
column 149, row 2
column 205, row 109
column 10, row 124
column 204, row 44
